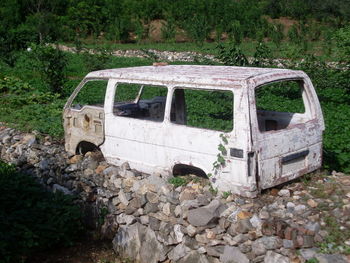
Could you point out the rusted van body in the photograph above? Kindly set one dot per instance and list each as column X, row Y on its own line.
column 172, row 122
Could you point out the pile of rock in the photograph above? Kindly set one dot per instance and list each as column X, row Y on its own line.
column 151, row 220
column 191, row 56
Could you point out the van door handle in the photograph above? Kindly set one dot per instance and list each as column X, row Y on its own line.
column 293, row 156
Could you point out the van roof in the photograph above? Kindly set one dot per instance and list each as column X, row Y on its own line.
column 194, row 74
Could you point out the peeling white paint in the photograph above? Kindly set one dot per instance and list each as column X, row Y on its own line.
column 268, row 157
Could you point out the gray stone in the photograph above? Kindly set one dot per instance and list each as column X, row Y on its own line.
column 262, row 244
column 166, row 234
column 156, row 182
column 151, row 208
column 152, row 251
column 308, row 241
column 241, row 226
column 313, row 226
column 123, row 198
column 233, row 255
column 125, row 219
column 273, row 257
column 57, row 187
column 138, row 243
column 6, row 139
column 178, row 211
column 72, row 168
column 138, row 201
column 256, row 221
column 127, row 243
column 29, row 139
column 215, row 251
column 240, row 238
column 154, row 223
column 288, row 243
column 144, row 220
column 167, row 209
column 203, row 200
column 245, row 247
column 194, row 257
column 308, row 253
column 284, row 193
column 111, row 170
column 190, row 242
column 179, row 232
column 202, row 238
column 187, row 194
column 191, row 230
column 290, row 207
column 204, row 215
column 299, row 209
column 152, row 198
column 331, row 258
column 178, row 252
column 201, row 250
column 43, row 164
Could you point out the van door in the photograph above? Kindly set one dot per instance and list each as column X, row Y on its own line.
column 84, row 116
column 135, row 125
column 287, row 127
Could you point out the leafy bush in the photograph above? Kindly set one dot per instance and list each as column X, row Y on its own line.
column 51, row 64
column 14, row 86
column 32, row 219
column 231, row 55
column 277, row 34
column 169, row 30
column 97, row 61
column 343, row 41
column 197, row 28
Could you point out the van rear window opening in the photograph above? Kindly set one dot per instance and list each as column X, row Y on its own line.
column 280, row 104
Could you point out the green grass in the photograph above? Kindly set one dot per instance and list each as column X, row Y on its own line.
column 178, row 181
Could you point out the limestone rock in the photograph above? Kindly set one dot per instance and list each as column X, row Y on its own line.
column 331, row 258
column 138, row 243
column 233, row 255
column 178, row 252
column 273, row 257
column 194, row 257
column 204, row 215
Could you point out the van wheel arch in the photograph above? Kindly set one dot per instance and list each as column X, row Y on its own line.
column 84, row 146
column 183, row 169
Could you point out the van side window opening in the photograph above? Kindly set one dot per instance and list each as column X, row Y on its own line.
column 206, row 109
column 140, row 101
column 92, row 94
column 280, row 104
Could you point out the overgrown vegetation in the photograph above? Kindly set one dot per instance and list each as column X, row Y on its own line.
column 32, row 219
column 37, row 21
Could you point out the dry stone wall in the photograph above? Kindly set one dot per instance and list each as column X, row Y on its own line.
column 150, row 220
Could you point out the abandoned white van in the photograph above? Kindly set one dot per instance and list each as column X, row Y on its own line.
column 247, row 129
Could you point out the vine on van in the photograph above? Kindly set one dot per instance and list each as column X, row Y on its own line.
column 220, row 161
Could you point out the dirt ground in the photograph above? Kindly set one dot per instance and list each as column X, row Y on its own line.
column 85, row 251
